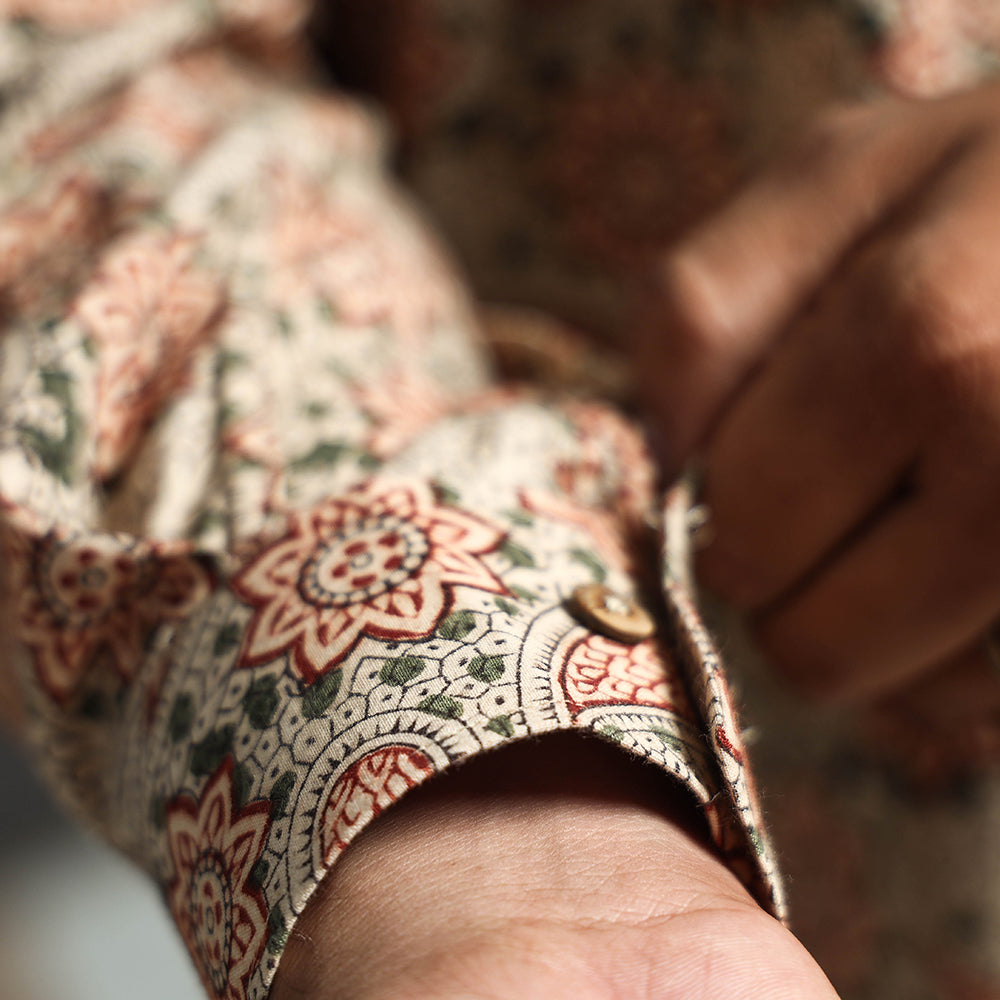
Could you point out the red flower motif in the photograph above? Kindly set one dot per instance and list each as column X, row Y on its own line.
column 48, row 241
column 83, row 595
column 163, row 106
column 382, row 561
column 368, row 272
column 147, row 310
column 367, row 788
column 220, row 911
column 603, row 527
column 601, row 433
column 600, row 671
column 399, row 406
column 71, row 132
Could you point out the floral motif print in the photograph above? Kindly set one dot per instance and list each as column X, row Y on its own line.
column 147, row 310
column 600, row 671
column 398, row 407
column 214, row 846
column 602, row 432
column 61, row 136
column 156, row 108
column 85, row 595
column 382, row 561
column 45, row 244
column 365, row 268
column 599, row 526
column 366, row 789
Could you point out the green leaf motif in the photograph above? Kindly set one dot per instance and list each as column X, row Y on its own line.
column 56, row 454
column 226, row 414
column 588, row 559
column 261, row 701
column 207, row 755
column 181, row 718
column 520, row 517
column 612, row 732
column 668, row 739
column 316, row 409
column 457, row 625
column 230, row 360
column 522, row 594
column 320, row 694
column 277, row 932
column 487, row 668
column 322, row 456
column 259, row 873
column 58, row 384
column 518, row 555
column 158, row 812
column 208, row 520
column 241, row 785
column 442, row 706
column 401, row 670
column 445, row 494
column 92, row 706
column 26, row 26
column 506, row 607
column 281, row 790
column 501, row 725
column 223, row 205
column 284, row 324
column 228, row 639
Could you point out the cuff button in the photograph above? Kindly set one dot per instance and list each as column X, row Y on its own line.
column 604, row 610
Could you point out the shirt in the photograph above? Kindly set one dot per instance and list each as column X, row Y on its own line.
column 279, row 543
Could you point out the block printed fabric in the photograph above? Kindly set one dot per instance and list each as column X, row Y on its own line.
column 279, row 545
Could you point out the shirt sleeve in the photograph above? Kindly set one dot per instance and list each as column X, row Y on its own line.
column 278, row 546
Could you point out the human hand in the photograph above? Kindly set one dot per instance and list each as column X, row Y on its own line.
column 828, row 345
column 551, row 870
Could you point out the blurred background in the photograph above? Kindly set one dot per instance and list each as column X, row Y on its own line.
column 77, row 922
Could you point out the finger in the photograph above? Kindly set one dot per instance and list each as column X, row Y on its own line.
column 903, row 345
column 916, row 587
column 813, row 444
column 714, row 304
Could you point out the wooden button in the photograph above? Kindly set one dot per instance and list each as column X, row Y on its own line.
column 617, row 617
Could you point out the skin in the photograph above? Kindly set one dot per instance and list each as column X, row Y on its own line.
column 556, row 870
column 828, row 348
